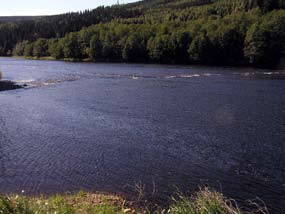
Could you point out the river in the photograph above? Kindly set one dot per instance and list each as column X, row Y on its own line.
column 111, row 127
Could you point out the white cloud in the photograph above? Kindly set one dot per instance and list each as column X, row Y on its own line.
column 48, row 7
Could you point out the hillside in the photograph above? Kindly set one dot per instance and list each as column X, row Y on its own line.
column 162, row 31
column 18, row 18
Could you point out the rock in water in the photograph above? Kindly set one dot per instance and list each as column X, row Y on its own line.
column 8, row 85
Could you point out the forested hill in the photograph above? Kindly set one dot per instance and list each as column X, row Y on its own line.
column 161, row 31
column 18, row 18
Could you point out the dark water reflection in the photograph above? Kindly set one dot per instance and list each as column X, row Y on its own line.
column 106, row 127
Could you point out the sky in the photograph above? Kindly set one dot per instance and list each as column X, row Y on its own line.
column 50, row 7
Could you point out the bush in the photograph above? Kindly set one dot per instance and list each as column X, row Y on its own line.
column 204, row 202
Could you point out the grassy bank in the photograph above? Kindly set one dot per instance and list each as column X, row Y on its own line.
column 203, row 202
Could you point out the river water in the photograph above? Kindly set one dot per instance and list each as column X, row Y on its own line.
column 114, row 127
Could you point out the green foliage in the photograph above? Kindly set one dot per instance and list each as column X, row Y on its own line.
column 135, row 49
column 20, row 48
column 29, row 49
column 182, row 31
column 181, row 40
column 18, row 206
column 71, row 47
column 111, row 47
column 104, row 209
column 264, row 40
column 205, row 202
column 55, row 48
column 228, row 42
column 161, row 48
column 40, row 48
column 200, row 49
column 96, row 47
column 16, row 29
column 71, row 204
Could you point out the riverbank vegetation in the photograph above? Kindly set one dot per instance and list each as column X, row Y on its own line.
column 203, row 202
column 237, row 32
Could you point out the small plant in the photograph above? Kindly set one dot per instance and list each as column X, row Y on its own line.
column 14, row 205
column 204, row 202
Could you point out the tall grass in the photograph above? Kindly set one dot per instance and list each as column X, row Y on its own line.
column 69, row 204
column 203, row 202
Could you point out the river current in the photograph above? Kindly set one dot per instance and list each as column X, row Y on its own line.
column 114, row 127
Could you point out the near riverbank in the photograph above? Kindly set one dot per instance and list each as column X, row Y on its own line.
column 202, row 202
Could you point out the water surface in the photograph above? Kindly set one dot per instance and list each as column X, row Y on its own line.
column 107, row 127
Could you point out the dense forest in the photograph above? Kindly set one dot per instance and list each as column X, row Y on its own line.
column 236, row 32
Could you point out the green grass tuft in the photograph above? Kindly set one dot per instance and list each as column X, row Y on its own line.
column 204, row 202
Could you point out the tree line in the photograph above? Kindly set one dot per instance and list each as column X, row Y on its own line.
column 207, row 32
column 56, row 26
